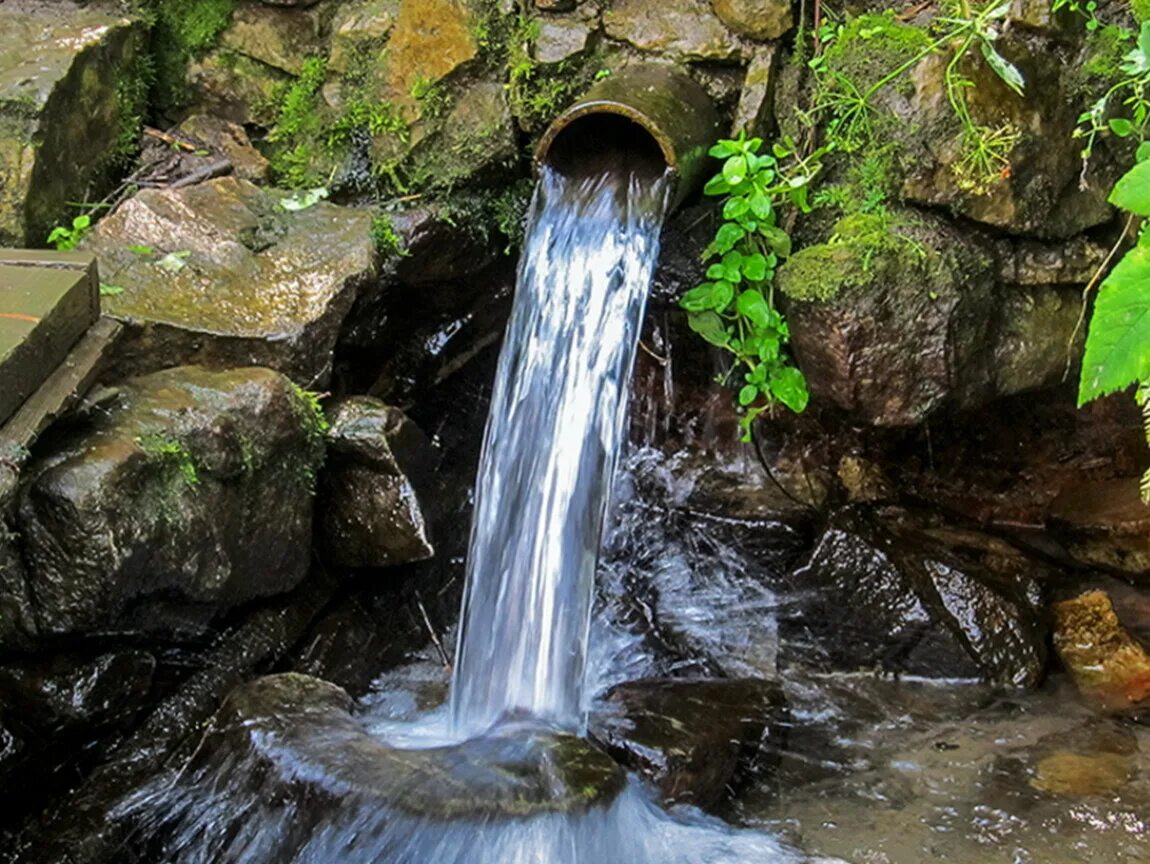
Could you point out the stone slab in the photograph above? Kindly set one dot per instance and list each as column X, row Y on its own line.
column 47, row 302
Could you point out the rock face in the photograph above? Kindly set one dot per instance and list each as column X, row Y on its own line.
column 1105, row 524
column 371, row 513
column 1110, row 667
column 758, row 19
column 189, row 496
column 226, row 274
column 892, row 319
column 67, row 109
column 689, row 737
column 881, row 591
column 686, row 30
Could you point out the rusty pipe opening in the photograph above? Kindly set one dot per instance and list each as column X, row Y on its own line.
column 655, row 118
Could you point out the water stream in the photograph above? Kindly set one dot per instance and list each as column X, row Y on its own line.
column 552, row 441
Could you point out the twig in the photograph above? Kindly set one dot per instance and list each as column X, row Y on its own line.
column 434, row 636
column 1090, row 286
column 168, row 138
column 914, row 11
column 213, row 169
column 662, row 361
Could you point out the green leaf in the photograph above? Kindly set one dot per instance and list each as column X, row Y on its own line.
column 717, row 185
column 722, row 294
column 735, row 170
column 754, row 307
column 1118, row 341
column 726, row 238
column 778, row 240
column 174, row 262
column 755, row 267
column 723, row 148
column 1003, row 68
column 748, row 395
column 107, row 290
column 710, row 326
column 732, row 266
column 760, row 204
column 1132, row 191
column 82, row 223
column 698, row 298
column 141, row 250
column 1121, row 127
column 790, row 387
column 1143, row 152
column 734, row 208
column 716, row 271
column 303, row 200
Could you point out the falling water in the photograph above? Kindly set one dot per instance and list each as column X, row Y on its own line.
column 552, row 440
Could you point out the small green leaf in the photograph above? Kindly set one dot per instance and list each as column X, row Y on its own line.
column 722, row 294
column 778, row 240
column 698, row 299
column 735, row 170
column 717, row 185
column 754, row 307
column 726, row 238
column 107, row 290
column 760, row 204
column 303, row 200
column 1121, row 127
column 141, row 250
column 1132, row 191
column 1003, row 68
column 710, row 326
column 755, row 267
column 1143, row 152
column 734, row 208
column 723, row 148
column 748, row 394
column 790, row 387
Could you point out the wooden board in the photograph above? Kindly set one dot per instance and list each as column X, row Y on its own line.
column 48, row 300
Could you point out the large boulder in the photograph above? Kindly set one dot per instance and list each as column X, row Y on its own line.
column 892, row 316
column 70, row 102
column 883, row 590
column 187, row 497
column 224, row 273
column 371, row 510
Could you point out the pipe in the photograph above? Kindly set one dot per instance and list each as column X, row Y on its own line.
column 656, row 110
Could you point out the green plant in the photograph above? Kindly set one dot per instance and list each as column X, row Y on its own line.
column 387, row 241
column 1130, row 91
column 1118, row 339
column 735, row 310
column 167, row 451
column 65, row 237
column 845, row 102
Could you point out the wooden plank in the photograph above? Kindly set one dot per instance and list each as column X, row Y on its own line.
column 47, row 301
column 58, row 394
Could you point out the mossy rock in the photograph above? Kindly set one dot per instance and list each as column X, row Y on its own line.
column 71, row 97
column 893, row 316
column 189, row 495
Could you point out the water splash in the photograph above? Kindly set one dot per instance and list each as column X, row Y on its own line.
column 554, row 433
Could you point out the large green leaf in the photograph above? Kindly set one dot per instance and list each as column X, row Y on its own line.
column 1118, row 342
column 710, row 327
column 1132, row 191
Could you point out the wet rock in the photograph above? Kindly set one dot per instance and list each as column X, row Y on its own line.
column 67, row 692
column 755, row 111
column 63, row 120
column 689, row 737
column 230, row 141
column 1111, row 669
column 228, row 276
column 1038, row 328
column 560, row 39
column 892, row 317
column 680, row 30
column 1103, row 523
column 355, row 782
column 883, row 590
column 1090, row 760
column 188, row 497
column 758, row 19
column 1031, row 263
column 372, row 516
column 280, row 38
column 555, row 5
column 863, row 480
column 17, row 623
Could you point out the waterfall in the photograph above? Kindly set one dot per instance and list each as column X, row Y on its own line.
column 552, row 441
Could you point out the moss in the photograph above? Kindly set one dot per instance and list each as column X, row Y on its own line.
column 182, row 31
column 860, row 245
column 387, row 241
column 293, row 139
column 538, row 92
column 306, row 463
column 1141, row 10
column 169, row 454
column 872, row 46
column 1103, row 53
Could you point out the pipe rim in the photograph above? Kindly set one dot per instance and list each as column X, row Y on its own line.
column 607, row 106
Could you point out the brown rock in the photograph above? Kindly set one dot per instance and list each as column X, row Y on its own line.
column 431, row 39
column 1110, row 668
column 755, row 112
column 758, row 19
column 230, row 141
column 682, row 29
column 280, row 38
column 1104, row 524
